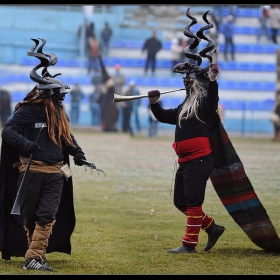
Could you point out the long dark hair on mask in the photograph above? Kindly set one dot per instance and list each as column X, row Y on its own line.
column 57, row 122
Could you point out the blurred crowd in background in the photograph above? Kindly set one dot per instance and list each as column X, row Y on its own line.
column 93, row 42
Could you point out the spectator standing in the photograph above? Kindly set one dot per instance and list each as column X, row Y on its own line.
column 152, row 46
column 134, row 91
column 153, row 122
column 127, row 108
column 5, row 106
column 76, row 97
column 119, row 79
column 218, row 15
column 93, row 97
column 106, row 35
column 176, row 51
column 91, row 30
column 275, row 114
column 94, row 105
column 275, row 118
column 93, row 60
column 228, row 32
column 136, row 105
column 102, row 101
column 88, row 28
column 263, row 19
column 274, row 15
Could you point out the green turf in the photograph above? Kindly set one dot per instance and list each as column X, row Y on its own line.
column 126, row 223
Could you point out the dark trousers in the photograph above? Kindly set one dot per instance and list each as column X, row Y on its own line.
column 229, row 43
column 274, row 35
column 93, row 63
column 75, row 113
column 152, row 131
column 190, row 181
column 137, row 121
column 40, row 197
column 105, row 47
column 263, row 29
column 126, row 127
column 150, row 60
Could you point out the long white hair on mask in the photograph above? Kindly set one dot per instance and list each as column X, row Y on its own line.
column 191, row 103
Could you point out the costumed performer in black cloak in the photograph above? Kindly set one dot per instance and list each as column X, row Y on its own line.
column 38, row 133
column 205, row 151
column 109, row 110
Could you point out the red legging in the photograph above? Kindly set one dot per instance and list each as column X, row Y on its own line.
column 196, row 220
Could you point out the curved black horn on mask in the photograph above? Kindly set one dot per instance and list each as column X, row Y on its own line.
column 47, row 84
column 195, row 71
column 53, row 59
column 45, row 61
column 188, row 33
column 211, row 44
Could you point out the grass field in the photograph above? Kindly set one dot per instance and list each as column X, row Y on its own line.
column 126, row 223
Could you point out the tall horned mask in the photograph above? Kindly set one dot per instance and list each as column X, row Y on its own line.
column 194, row 71
column 47, row 84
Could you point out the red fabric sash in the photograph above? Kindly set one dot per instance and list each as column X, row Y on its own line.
column 192, row 148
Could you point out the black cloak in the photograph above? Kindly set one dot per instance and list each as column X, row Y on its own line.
column 13, row 240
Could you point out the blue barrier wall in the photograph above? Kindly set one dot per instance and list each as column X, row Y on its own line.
column 242, row 117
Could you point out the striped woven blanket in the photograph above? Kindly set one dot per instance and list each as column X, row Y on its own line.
column 237, row 194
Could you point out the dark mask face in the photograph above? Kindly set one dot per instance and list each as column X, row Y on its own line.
column 58, row 99
column 187, row 82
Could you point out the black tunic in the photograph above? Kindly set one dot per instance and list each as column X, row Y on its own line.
column 192, row 127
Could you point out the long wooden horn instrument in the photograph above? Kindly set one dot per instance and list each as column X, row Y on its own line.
column 121, row 98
